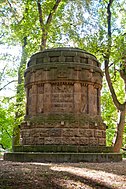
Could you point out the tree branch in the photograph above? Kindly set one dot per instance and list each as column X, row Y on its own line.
column 1, row 74
column 49, row 19
column 12, row 9
column 7, row 133
column 2, row 146
column 45, row 27
column 109, row 18
column 40, row 14
column 10, row 4
column 123, row 70
column 7, row 84
column 114, row 97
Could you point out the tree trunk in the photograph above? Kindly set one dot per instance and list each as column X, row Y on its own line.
column 120, row 129
column 43, row 40
column 20, row 96
column 20, row 86
column 120, row 107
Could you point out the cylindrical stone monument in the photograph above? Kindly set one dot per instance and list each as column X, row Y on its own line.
column 63, row 99
column 63, row 120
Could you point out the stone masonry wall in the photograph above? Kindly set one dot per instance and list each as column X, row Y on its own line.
column 63, row 133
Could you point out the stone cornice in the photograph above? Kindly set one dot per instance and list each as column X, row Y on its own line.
column 96, row 85
column 66, row 65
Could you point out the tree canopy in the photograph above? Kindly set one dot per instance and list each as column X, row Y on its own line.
column 96, row 26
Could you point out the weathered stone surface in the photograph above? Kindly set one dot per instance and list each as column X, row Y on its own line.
column 70, row 140
column 63, row 148
column 62, row 157
column 101, row 141
column 70, row 132
column 55, row 132
column 93, row 141
column 86, row 133
column 98, row 134
column 52, row 140
column 84, row 141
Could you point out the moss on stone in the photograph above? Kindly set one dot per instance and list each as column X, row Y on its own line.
column 16, row 136
column 63, row 148
column 69, row 118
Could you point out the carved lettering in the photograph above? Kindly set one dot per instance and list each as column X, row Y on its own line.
column 62, row 98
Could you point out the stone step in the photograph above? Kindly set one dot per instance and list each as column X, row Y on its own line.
column 62, row 157
column 62, row 148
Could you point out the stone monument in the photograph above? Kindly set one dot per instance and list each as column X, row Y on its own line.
column 63, row 113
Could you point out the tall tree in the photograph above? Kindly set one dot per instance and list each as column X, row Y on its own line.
column 121, row 107
column 105, row 38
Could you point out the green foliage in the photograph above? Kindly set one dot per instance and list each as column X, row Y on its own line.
column 6, row 124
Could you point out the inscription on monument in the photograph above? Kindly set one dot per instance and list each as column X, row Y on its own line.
column 62, row 98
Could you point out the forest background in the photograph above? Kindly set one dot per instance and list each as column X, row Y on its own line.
column 97, row 26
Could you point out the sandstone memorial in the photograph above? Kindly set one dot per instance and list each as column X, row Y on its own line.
column 63, row 113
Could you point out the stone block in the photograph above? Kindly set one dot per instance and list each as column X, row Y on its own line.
column 86, row 132
column 54, row 53
column 54, row 58
column 83, row 60
column 104, row 134
column 52, row 140
column 44, row 132
column 98, row 133
column 55, row 132
column 90, row 61
column 77, row 59
column 72, row 124
column 94, row 125
column 102, row 141
column 38, row 75
column 70, row 132
column 83, row 124
column 83, row 141
column 93, row 141
column 70, row 140
column 40, row 140
column 61, row 59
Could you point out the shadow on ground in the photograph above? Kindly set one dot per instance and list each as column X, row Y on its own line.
column 65, row 176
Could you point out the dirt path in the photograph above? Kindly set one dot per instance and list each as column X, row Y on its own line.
column 65, row 176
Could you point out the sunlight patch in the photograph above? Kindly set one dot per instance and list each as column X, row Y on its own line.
column 95, row 176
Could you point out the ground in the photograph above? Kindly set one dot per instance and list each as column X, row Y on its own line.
column 62, row 176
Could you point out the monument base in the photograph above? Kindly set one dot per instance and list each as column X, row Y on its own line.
column 61, row 154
